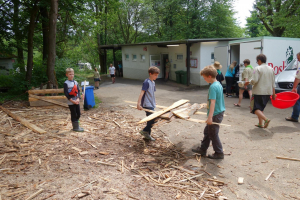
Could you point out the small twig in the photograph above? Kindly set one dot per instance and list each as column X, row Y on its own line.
column 35, row 194
column 103, row 163
column 83, row 186
column 269, row 175
column 117, row 123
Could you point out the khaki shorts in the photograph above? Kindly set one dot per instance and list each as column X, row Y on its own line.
column 249, row 87
column 167, row 69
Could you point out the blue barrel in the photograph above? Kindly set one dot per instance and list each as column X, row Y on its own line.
column 89, row 99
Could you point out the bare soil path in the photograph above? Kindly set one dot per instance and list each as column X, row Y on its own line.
column 251, row 152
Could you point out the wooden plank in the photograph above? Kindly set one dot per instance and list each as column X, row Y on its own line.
column 157, row 106
column 186, row 113
column 159, row 113
column 49, row 100
column 204, row 121
column 48, row 97
column 46, row 91
column 286, row 158
column 24, row 121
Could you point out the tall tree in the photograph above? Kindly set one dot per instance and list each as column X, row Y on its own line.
column 52, row 42
column 31, row 26
column 274, row 14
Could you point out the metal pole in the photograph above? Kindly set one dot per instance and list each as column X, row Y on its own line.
column 188, row 57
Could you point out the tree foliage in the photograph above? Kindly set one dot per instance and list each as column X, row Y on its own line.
column 279, row 17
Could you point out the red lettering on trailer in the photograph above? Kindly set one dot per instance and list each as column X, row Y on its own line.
column 277, row 69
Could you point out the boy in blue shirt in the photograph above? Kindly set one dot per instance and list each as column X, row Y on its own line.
column 215, row 112
column 147, row 100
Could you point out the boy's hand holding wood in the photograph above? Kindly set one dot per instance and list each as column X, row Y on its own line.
column 139, row 107
column 209, row 121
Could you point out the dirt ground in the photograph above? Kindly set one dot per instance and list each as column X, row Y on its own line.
column 110, row 160
column 251, row 152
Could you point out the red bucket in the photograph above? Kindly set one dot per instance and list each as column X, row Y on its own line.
column 285, row 100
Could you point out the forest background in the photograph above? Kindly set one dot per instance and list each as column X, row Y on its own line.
column 47, row 36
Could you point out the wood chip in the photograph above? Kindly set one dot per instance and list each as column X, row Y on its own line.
column 35, row 194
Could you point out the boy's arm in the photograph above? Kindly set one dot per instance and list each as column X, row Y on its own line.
column 138, row 106
column 67, row 93
column 211, row 111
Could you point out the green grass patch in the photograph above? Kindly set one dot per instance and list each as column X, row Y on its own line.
column 97, row 102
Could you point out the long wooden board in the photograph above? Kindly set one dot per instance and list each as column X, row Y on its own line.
column 46, row 91
column 157, row 114
column 24, row 121
column 164, row 116
column 204, row 121
column 49, row 100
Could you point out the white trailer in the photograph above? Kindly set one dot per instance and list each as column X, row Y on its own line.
column 280, row 51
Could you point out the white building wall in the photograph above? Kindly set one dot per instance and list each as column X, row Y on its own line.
column 206, row 49
column 6, row 65
column 137, row 69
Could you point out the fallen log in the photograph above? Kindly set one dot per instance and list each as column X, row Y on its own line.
column 49, row 100
column 24, row 121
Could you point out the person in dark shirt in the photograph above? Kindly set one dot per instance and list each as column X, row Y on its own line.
column 72, row 92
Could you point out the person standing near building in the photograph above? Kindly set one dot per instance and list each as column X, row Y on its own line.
column 168, row 66
column 246, row 76
column 96, row 78
column 120, row 69
column 112, row 72
column 296, row 89
column 263, row 81
column 229, row 77
column 218, row 67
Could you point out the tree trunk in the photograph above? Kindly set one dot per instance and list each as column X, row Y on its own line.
column 18, row 36
column 45, row 27
column 52, row 42
column 33, row 12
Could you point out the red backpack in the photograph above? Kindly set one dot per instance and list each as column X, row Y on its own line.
column 74, row 91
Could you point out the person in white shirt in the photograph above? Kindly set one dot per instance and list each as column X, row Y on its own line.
column 296, row 89
column 112, row 72
column 263, row 81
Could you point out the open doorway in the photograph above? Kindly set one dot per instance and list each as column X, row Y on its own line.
column 164, row 58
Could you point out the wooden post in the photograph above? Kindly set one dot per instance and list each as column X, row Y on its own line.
column 188, row 64
column 115, row 63
column 83, row 94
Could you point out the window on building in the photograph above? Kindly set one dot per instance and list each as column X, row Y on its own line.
column 133, row 57
column 126, row 56
column 143, row 58
column 179, row 57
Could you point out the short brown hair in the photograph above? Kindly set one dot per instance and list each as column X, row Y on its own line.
column 247, row 61
column 69, row 70
column 209, row 71
column 153, row 70
column 262, row 58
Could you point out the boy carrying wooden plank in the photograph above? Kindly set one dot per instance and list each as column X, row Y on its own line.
column 215, row 112
column 72, row 92
column 147, row 100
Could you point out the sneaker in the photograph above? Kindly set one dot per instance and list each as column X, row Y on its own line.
column 200, row 151
column 216, row 156
column 146, row 135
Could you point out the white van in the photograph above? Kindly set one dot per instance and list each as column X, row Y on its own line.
column 285, row 80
